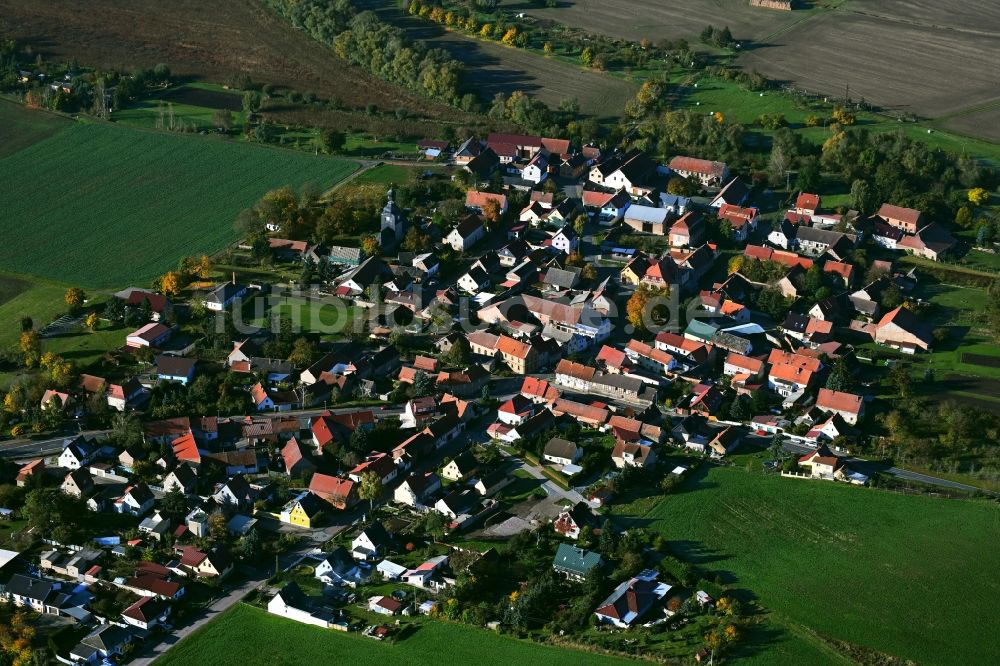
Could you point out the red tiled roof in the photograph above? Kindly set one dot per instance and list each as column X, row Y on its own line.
column 696, row 165
column 577, row 370
column 807, row 201
column 909, row 216
column 186, row 448
column 839, row 401
column 539, row 388
column 745, row 362
column 478, row 199
column 580, row 411
column 331, row 488
column 612, row 358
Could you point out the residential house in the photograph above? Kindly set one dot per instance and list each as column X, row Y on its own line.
column 417, row 489
column 576, row 563
column 290, row 602
column 632, row 454
column 536, row 170
column 466, row 233
column 571, row 521
column 155, row 526
column 907, row 219
column 740, row 365
column 932, row 242
column 706, row 172
column 298, row 461
column 493, row 482
column 687, row 231
column 222, row 296
column 849, row 406
column 77, row 452
column 806, row 204
column 742, row 221
column 791, row 374
column 340, row 493
column 565, row 239
column 214, row 563
column 104, row 644
column 146, row 613
column 385, row 605
column 561, row 452
column 178, row 369
column 631, row 600
column 461, row 467
column 338, row 568
column 121, row 396
column 372, row 543
column 136, row 500
column 733, row 193
column 821, row 463
column 304, row 510
column 181, row 478
column 902, row 330
column 78, row 483
column 474, row 280
column 539, row 391
column 56, row 400
column 476, row 201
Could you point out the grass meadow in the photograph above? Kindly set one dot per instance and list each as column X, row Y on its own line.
column 247, row 636
column 910, row 576
column 113, row 206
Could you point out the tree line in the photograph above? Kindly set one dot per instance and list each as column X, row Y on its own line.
column 365, row 40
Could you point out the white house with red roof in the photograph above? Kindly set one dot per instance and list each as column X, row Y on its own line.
column 806, row 203
column 707, row 172
column 515, row 411
column 631, row 600
column 849, row 406
column 738, row 364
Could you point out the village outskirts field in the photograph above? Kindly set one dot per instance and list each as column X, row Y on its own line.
column 105, row 206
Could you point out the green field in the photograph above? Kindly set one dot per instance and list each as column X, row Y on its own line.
column 105, row 206
column 744, row 106
column 24, row 296
column 910, row 576
column 244, row 636
column 20, row 126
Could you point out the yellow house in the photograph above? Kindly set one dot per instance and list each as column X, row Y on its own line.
column 303, row 511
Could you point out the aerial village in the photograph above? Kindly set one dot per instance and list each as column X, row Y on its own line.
column 593, row 326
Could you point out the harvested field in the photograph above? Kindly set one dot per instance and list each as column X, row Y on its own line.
column 923, row 66
column 983, row 123
column 494, row 68
column 655, row 19
column 22, row 127
column 205, row 41
column 981, row 359
column 930, row 58
column 209, row 99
